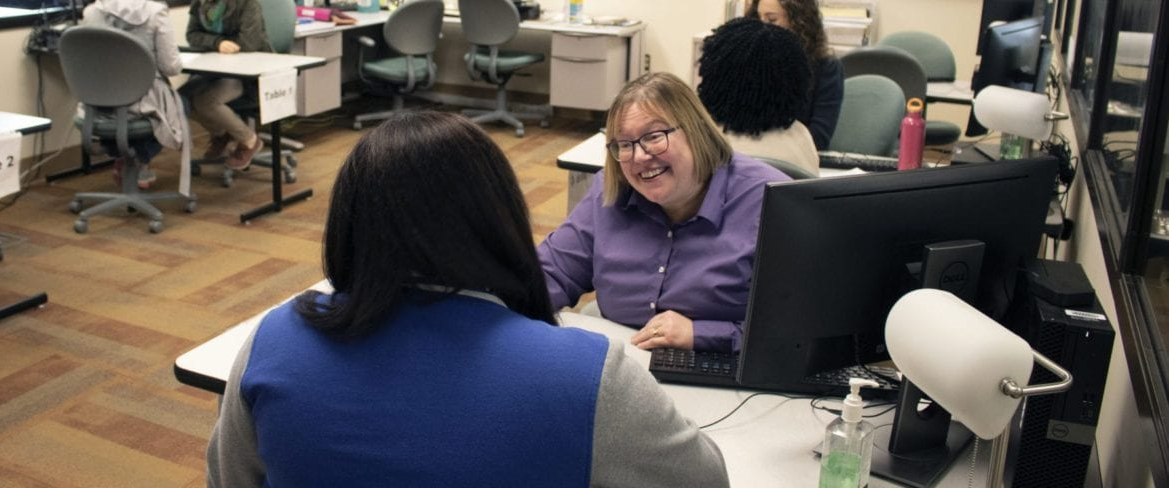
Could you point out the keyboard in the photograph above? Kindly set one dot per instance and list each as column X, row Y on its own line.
column 691, row 367
column 719, row 369
column 864, row 162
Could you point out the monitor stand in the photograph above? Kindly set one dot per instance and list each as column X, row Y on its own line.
column 920, row 468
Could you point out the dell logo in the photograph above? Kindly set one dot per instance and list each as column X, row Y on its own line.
column 954, row 277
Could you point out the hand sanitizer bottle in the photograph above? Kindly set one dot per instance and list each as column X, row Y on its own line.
column 848, row 443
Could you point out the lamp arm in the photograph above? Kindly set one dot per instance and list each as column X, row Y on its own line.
column 1051, row 116
column 1010, row 388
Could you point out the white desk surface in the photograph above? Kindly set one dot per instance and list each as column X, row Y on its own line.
column 589, row 157
column 247, row 65
column 24, row 124
column 958, row 91
column 372, row 18
column 767, row 442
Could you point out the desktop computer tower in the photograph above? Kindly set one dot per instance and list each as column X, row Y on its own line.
column 1053, row 439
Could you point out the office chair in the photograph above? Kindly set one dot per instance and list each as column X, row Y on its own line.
column 110, row 84
column 280, row 20
column 908, row 72
column 494, row 23
column 413, row 30
column 793, row 171
column 938, row 62
column 871, row 116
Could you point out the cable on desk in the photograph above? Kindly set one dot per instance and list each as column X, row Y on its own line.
column 745, row 400
column 815, row 404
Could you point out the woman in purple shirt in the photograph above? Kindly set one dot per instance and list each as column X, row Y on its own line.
column 667, row 233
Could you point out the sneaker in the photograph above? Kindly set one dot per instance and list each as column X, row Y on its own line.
column 145, row 178
column 117, row 172
column 242, row 156
column 217, row 146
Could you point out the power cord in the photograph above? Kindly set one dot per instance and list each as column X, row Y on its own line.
column 745, row 400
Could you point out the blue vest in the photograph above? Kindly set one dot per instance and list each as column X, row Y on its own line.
column 456, row 391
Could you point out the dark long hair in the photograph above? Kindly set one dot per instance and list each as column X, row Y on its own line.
column 805, row 19
column 755, row 77
column 426, row 198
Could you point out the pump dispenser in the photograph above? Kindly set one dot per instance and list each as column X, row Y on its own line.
column 848, row 443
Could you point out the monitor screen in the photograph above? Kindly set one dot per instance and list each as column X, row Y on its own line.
column 834, row 254
column 1011, row 58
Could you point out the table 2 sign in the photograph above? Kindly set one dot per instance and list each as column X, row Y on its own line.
column 9, row 163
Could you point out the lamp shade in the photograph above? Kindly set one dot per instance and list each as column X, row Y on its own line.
column 958, row 357
column 1013, row 111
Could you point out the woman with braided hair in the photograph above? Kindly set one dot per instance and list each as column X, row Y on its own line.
column 803, row 17
column 755, row 84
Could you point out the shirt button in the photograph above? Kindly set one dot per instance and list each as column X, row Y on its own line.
column 669, row 234
column 662, row 269
column 651, row 305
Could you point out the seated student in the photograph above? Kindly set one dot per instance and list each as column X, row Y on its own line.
column 667, row 233
column 755, row 82
column 228, row 27
column 804, row 18
column 437, row 360
column 148, row 21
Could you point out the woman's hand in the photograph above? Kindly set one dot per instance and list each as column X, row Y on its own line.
column 667, row 329
column 228, row 47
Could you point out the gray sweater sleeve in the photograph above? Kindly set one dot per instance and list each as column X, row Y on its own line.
column 641, row 440
column 233, row 458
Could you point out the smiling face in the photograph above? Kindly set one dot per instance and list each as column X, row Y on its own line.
column 772, row 12
column 667, row 179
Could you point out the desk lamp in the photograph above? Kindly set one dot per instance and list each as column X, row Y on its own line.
column 967, row 363
column 1019, row 115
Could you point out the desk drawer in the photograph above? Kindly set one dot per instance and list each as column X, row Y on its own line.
column 319, row 89
column 327, row 46
column 583, row 46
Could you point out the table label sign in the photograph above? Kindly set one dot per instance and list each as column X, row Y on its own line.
column 9, row 163
column 278, row 95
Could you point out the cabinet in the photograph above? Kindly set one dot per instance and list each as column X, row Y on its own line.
column 319, row 89
column 587, row 70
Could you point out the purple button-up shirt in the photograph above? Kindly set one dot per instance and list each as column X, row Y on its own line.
column 641, row 265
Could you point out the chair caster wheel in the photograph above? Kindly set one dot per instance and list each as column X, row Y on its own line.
column 80, row 226
column 544, row 124
column 155, row 226
column 190, row 206
column 520, row 132
column 75, row 206
column 357, row 126
column 290, row 177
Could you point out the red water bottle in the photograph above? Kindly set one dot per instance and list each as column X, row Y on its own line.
column 913, row 136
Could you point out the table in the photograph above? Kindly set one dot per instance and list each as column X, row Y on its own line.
column 250, row 66
column 958, row 92
column 24, row 124
column 767, row 442
column 589, row 64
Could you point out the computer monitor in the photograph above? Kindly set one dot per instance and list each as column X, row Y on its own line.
column 834, row 254
column 1011, row 58
column 1011, row 10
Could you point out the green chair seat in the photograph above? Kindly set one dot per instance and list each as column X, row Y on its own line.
column 136, row 128
column 394, row 69
column 941, row 132
column 506, row 61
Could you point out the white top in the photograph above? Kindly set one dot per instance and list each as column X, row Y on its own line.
column 245, row 65
column 794, row 145
column 14, row 122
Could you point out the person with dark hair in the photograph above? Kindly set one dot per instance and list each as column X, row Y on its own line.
column 755, row 82
column 666, row 235
column 436, row 360
column 803, row 17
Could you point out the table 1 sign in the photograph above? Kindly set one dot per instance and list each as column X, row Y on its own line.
column 278, row 95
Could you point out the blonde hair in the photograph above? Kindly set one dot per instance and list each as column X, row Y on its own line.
column 665, row 97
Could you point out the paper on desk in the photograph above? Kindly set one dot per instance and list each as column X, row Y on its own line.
column 9, row 163
column 278, row 95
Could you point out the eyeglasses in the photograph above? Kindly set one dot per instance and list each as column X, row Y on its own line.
column 653, row 143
